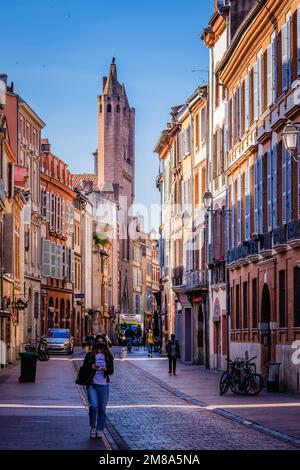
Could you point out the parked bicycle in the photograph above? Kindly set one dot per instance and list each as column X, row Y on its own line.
column 40, row 347
column 241, row 377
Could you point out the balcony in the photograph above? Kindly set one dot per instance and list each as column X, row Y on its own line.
column 279, row 238
column 231, row 256
column 293, row 233
column 266, row 245
column 197, row 279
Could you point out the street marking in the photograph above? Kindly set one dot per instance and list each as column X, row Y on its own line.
column 58, row 407
column 134, row 359
column 154, row 406
column 258, row 405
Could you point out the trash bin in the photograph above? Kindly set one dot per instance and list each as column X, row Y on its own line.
column 273, row 376
column 28, row 366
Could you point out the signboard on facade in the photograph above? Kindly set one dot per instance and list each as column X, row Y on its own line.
column 78, row 296
column 128, row 317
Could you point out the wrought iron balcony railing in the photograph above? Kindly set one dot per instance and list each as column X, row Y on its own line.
column 197, row 278
column 279, row 236
column 293, row 230
column 265, row 242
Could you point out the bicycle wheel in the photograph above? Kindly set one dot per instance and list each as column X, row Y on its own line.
column 224, row 383
column 253, row 384
column 235, row 382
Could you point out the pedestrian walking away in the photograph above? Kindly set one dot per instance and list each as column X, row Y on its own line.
column 99, row 363
column 138, row 335
column 129, row 334
column 150, row 342
column 173, row 352
column 88, row 342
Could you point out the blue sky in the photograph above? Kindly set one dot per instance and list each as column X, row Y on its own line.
column 56, row 52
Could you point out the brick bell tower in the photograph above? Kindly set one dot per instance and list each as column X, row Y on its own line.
column 115, row 169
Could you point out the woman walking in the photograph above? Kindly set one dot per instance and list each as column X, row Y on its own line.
column 100, row 363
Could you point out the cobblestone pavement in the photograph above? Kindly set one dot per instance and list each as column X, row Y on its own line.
column 147, row 416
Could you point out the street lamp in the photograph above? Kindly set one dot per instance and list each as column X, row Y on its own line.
column 208, row 204
column 290, row 138
column 207, row 199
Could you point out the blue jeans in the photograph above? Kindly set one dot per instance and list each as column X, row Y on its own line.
column 97, row 397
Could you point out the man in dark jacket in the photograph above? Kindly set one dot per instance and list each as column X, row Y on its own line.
column 173, row 352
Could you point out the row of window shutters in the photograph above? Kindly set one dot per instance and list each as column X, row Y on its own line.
column 55, row 210
column 57, row 261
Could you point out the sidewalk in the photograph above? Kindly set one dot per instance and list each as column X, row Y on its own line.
column 47, row 414
column 278, row 411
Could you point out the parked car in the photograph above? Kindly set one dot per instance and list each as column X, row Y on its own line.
column 59, row 340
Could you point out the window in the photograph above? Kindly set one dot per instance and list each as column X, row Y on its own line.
column 282, row 310
column 237, row 307
column 254, row 303
column 297, row 296
column 108, row 108
column 196, row 182
column 118, row 108
column 137, row 304
column 203, row 124
column 286, row 55
column 197, row 141
column 245, row 304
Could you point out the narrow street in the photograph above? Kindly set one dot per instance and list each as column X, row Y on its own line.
column 147, row 409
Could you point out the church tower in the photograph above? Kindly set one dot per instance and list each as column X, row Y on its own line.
column 115, row 167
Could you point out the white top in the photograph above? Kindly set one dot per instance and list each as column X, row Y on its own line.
column 99, row 378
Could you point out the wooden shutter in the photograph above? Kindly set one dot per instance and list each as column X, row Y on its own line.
column 269, row 75
column 270, row 190
column 289, row 51
column 260, row 85
column 275, row 66
column 255, row 92
column 289, row 187
column 261, row 194
column 53, row 260
column 226, row 127
column 239, row 210
column 247, row 102
column 46, row 258
column 248, row 204
column 256, row 197
column 48, row 206
column 72, row 267
column 284, row 49
column 71, row 213
column 275, row 185
column 233, row 119
column 284, row 185
column 232, row 216
column 239, row 112
column 227, row 219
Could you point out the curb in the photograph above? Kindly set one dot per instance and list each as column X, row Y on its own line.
column 220, row 411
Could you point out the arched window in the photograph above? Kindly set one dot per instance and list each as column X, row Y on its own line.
column 100, row 108
column 108, row 108
column 118, row 108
